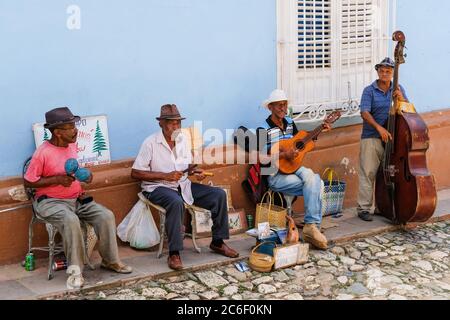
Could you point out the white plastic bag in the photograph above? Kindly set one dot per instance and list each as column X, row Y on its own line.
column 138, row 228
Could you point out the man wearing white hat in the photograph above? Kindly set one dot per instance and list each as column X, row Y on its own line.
column 304, row 182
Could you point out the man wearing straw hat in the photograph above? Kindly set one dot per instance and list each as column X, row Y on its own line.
column 304, row 181
column 163, row 164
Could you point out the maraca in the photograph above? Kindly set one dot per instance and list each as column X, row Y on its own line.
column 71, row 166
column 82, row 174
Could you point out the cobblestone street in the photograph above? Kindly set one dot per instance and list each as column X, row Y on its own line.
column 410, row 265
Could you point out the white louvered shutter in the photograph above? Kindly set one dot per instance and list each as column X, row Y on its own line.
column 327, row 50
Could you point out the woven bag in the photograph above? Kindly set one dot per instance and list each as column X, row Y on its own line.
column 333, row 193
column 270, row 212
column 91, row 239
column 260, row 262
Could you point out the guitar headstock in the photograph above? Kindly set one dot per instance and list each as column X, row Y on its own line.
column 400, row 38
column 333, row 117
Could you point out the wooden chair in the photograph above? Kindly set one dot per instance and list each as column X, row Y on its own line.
column 162, row 222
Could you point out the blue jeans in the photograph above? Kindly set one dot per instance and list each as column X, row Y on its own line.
column 303, row 182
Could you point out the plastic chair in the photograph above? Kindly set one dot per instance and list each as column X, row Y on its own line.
column 162, row 222
column 52, row 248
column 289, row 199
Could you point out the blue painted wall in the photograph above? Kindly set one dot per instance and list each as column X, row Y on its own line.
column 426, row 74
column 215, row 59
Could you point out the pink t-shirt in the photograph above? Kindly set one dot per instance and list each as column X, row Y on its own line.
column 48, row 161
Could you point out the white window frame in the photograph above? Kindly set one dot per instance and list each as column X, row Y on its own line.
column 314, row 91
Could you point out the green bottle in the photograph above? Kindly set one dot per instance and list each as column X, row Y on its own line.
column 29, row 261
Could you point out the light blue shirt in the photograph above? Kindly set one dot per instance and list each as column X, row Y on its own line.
column 378, row 103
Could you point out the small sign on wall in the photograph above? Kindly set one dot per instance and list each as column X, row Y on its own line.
column 92, row 142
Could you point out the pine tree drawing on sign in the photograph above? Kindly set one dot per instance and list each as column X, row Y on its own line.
column 46, row 136
column 99, row 141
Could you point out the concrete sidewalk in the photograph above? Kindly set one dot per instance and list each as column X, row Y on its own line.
column 16, row 283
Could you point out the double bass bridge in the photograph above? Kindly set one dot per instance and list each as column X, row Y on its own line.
column 392, row 171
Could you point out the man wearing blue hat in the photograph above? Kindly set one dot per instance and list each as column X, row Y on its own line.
column 375, row 106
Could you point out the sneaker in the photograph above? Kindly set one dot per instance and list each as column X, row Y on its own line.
column 75, row 279
column 117, row 267
column 365, row 215
column 312, row 235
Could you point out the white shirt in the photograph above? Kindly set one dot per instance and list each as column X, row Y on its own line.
column 155, row 155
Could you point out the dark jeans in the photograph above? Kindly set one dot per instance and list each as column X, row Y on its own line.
column 210, row 198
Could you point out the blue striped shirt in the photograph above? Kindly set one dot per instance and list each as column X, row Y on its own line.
column 378, row 103
column 275, row 133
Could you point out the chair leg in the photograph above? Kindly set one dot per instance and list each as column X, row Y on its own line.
column 194, row 230
column 162, row 228
column 51, row 251
column 30, row 234
column 289, row 200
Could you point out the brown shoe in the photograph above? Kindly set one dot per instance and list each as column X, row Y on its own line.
column 311, row 234
column 174, row 262
column 224, row 250
column 117, row 267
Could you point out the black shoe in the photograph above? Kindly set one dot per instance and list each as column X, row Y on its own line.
column 364, row 215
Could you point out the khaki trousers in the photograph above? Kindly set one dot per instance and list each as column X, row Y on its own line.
column 65, row 215
column 370, row 157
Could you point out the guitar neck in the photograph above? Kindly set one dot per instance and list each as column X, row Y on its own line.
column 314, row 134
column 395, row 86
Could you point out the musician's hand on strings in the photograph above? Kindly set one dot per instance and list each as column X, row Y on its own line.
column 199, row 174
column 385, row 135
column 174, row 176
column 326, row 127
column 398, row 94
column 290, row 154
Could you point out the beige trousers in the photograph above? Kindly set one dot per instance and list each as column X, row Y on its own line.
column 65, row 215
column 370, row 157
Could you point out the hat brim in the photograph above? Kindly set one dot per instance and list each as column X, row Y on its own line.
column 54, row 125
column 267, row 102
column 170, row 118
column 378, row 66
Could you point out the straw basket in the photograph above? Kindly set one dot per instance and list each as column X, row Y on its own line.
column 260, row 262
column 269, row 212
column 333, row 193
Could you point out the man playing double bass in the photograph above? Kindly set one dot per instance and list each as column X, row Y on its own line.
column 375, row 106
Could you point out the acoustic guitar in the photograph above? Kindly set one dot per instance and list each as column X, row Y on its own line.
column 303, row 141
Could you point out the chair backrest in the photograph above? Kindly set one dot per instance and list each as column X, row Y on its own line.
column 29, row 191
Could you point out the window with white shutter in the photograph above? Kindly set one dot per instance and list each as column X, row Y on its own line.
column 314, row 34
column 356, row 31
column 327, row 50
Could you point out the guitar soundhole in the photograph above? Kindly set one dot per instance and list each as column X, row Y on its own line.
column 300, row 145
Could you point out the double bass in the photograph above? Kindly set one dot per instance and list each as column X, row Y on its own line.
column 405, row 190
